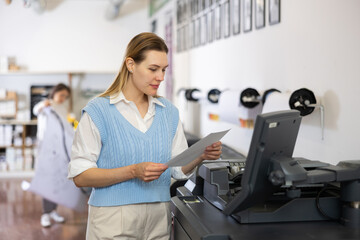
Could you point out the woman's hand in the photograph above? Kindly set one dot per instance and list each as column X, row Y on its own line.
column 212, row 152
column 149, row 171
column 47, row 103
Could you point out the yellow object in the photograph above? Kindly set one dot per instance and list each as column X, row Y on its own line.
column 76, row 123
column 214, row 117
column 246, row 123
column 71, row 119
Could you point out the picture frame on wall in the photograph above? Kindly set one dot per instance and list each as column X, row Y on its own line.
column 183, row 11
column 186, row 37
column 236, row 16
column 218, row 21
column 182, row 38
column 247, row 15
column 204, row 28
column 202, row 5
column 198, row 31
column 192, row 34
column 210, row 25
column 192, row 7
column 226, row 14
column 192, row 10
column 187, row 11
column 178, row 11
column 207, row 3
column 196, row 6
column 259, row 14
column 178, row 40
column 274, row 12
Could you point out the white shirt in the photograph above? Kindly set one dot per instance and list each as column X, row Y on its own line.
column 87, row 141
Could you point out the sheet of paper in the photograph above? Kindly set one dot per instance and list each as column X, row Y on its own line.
column 196, row 149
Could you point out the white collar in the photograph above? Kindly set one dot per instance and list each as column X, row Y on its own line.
column 115, row 98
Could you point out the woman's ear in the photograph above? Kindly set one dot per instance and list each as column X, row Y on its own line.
column 130, row 64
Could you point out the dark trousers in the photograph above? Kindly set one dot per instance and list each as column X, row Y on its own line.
column 48, row 206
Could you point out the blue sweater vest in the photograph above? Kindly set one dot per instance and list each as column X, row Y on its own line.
column 123, row 145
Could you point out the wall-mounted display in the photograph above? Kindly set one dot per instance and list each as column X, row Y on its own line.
column 274, row 11
column 236, row 17
column 247, row 15
column 217, row 22
column 204, row 21
column 226, row 18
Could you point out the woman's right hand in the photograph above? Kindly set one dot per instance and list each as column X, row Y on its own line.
column 149, row 171
column 46, row 103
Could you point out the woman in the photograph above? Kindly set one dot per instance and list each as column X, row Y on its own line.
column 59, row 94
column 122, row 142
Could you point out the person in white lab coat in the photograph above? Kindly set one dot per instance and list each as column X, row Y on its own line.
column 59, row 94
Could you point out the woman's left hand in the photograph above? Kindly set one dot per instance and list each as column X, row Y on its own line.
column 212, row 152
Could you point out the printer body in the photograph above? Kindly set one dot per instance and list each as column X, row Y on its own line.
column 269, row 191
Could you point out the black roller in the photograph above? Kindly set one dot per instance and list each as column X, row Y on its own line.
column 189, row 94
column 266, row 94
column 213, row 95
column 247, row 94
column 300, row 99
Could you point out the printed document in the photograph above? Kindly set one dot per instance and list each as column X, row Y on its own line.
column 196, row 149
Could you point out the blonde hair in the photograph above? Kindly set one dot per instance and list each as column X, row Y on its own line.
column 136, row 49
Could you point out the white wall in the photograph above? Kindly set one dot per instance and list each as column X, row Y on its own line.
column 316, row 46
column 70, row 35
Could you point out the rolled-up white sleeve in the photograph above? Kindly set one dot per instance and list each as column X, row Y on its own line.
column 86, row 147
column 178, row 146
column 37, row 108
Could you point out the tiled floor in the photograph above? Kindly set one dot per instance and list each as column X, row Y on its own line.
column 20, row 216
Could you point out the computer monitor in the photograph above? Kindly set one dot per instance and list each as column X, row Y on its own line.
column 274, row 136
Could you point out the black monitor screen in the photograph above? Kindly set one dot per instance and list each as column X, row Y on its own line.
column 274, row 135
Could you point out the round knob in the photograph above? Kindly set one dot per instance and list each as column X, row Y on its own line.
column 277, row 178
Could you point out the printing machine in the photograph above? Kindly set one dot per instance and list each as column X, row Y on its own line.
column 270, row 194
